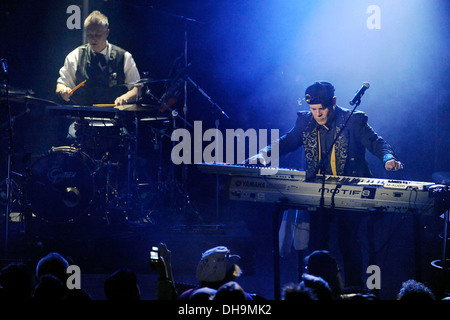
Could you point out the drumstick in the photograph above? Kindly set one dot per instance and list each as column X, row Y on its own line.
column 76, row 88
column 104, row 105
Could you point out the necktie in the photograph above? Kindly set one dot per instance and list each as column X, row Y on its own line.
column 333, row 155
column 99, row 60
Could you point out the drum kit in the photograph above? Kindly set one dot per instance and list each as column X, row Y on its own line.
column 59, row 178
column 91, row 173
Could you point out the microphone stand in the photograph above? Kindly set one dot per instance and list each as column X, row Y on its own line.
column 206, row 96
column 321, row 164
column 187, row 79
column 218, row 110
column 186, row 20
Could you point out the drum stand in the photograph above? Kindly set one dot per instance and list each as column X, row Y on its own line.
column 124, row 196
column 4, row 68
column 131, row 155
column 160, row 187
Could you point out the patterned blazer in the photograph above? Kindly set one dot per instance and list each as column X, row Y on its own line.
column 350, row 147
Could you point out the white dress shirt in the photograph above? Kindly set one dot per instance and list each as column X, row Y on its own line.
column 68, row 71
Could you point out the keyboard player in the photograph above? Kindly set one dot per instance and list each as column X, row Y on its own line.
column 315, row 130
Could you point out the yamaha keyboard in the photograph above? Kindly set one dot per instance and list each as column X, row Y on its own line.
column 265, row 184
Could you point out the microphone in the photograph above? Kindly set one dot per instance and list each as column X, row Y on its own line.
column 4, row 66
column 360, row 93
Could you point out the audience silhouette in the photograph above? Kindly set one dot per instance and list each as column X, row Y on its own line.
column 414, row 290
column 321, row 263
column 230, row 291
column 49, row 288
column 16, row 282
column 122, row 285
column 216, row 268
column 217, row 272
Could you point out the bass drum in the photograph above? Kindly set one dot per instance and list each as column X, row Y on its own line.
column 62, row 185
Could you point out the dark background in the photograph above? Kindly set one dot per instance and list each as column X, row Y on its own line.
column 254, row 59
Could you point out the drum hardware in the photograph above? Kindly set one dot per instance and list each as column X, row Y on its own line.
column 4, row 75
column 16, row 198
column 6, row 123
column 153, row 193
column 17, row 202
column 120, row 176
column 15, row 194
column 112, row 148
column 110, row 192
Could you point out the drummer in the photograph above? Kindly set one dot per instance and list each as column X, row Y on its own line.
column 105, row 66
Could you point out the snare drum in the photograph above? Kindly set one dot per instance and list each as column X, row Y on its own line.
column 99, row 137
column 62, row 184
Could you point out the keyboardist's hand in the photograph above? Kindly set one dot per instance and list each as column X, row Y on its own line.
column 393, row 165
column 256, row 159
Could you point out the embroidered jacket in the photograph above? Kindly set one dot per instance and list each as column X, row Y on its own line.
column 350, row 148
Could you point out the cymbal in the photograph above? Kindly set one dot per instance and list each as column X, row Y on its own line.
column 15, row 90
column 136, row 107
column 154, row 106
column 102, row 112
column 144, row 81
column 155, row 118
column 27, row 99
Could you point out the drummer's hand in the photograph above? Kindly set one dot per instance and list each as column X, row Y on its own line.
column 120, row 100
column 64, row 92
column 393, row 165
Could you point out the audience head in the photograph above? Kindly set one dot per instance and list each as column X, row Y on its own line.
column 322, row 264
column 414, row 290
column 49, row 288
column 298, row 292
column 217, row 267
column 15, row 280
column 318, row 286
column 203, row 294
column 122, row 285
column 230, row 291
column 54, row 264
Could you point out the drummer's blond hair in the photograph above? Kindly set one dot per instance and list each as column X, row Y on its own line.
column 97, row 18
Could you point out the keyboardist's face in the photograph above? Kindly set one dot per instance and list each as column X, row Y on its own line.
column 320, row 113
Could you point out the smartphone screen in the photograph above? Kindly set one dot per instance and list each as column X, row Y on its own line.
column 154, row 256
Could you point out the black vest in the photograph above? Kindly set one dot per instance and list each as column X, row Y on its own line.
column 102, row 86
